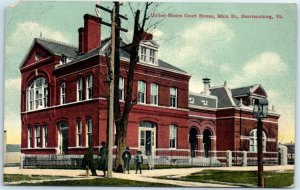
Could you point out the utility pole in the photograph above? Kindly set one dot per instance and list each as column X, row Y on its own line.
column 260, row 168
column 111, row 96
column 114, row 26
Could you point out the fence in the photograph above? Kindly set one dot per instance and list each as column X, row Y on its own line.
column 160, row 159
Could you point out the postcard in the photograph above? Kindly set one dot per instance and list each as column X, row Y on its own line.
column 154, row 94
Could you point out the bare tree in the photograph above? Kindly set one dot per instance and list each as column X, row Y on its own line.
column 121, row 113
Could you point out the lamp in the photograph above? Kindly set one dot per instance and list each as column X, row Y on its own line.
column 260, row 108
column 260, row 111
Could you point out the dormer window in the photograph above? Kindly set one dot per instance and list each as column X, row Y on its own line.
column 148, row 52
column 63, row 60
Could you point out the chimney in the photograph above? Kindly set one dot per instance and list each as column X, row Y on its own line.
column 91, row 33
column 81, row 40
column 206, row 82
column 147, row 36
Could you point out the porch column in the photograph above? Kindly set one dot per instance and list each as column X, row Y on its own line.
column 200, row 146
column 213, row 140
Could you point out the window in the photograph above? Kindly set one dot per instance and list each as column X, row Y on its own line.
column 141, row 92
column 45, row 137
column 173, row 97
column 64, row 59
column 37, row 136
column 142, row 138
column 63, row 93
column 152, row 56
column 30, row 140
column 253, row 141
column 37, row 56
column 173, row 136
column 79, row 89
column 89, row 126
column 37, row 94
column 89, row 87
column 143, row 54
column 154, row 94
column 121, row 88
column 191, row 100
column 79, row 133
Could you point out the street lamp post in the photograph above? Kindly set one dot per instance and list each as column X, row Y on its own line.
column 260, row 111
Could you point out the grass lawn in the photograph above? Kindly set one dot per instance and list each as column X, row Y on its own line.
column 273, row 179
column 113, row 182
column 20, row 177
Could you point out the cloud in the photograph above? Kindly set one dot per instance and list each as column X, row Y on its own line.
column 157, row 34
column 203, row 42
column 13, row 84
column 24, row 34
column 195, row 85
column 263, row 67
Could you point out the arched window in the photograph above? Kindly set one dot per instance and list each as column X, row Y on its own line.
column 253, row 141
column 37, row 94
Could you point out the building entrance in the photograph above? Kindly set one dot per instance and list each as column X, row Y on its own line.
column 63, row 137
column 147, row 138
column 193, row 141
column 207, row 142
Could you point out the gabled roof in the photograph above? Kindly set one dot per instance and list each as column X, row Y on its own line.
column 247, row 90
column 150, row 43
column 242, row 91
column 57, row 48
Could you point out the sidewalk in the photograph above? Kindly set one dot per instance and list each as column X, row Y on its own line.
column 147, row 176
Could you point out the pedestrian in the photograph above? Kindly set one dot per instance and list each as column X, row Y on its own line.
column 103, row 158
column 138, row 162
column 126, row 156
column 151, row 162
column 88, row 162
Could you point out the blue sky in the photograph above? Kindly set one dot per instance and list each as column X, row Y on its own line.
column 239, row 51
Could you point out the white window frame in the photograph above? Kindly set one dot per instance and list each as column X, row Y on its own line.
column 62, row 93
column 142, row 90
column 173, row 137
column 253, row 141
column 79, row 89
column 78, row 133
column 173, row 97
column 121, row 88
column 37, row 94
column 89, row 132
column 152, row 57
column 143, row 127
column 154, row 94
column 89, row 87
column 143, row 54
column 37, row 136
column 45, row 136
column 30, row 137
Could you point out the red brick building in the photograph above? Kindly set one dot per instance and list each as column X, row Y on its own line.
column 64, row 105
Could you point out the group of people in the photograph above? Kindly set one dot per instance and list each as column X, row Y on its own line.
column 88, row 161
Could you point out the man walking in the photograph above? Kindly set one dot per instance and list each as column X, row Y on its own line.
column 103, row 158
column 126, row 156
column 88, row 161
